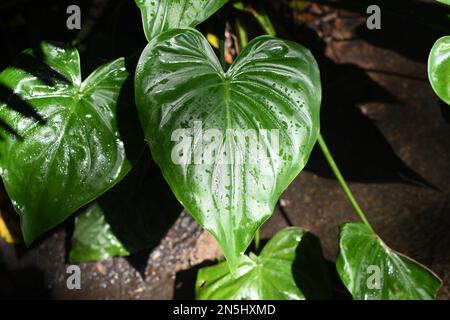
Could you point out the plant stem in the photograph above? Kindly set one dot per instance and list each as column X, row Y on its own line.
column 257, row 239
column 342, row 182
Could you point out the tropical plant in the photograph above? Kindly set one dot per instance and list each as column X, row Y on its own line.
column 63, row 149
column 439, row 66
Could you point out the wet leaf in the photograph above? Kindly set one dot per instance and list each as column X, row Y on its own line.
column 272, row 275
column 162, row 15
column 228, row 143
column 93, row 239
column 439, row 68
column 372, row 271
column 61, row 146
column 138, row 211
column 447, row 2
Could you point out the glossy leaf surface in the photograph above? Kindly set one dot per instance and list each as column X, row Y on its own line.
column 439, row 68
column 93, row 239
column 372, row 271
column 162, row 15
column 61, row 147
column 290, row 262
column 228, row 143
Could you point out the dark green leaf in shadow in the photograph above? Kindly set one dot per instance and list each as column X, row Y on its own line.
column 141, row 208
column 162, row 15
column 273, row 275
column 439, row 68
column 139, row 211
column 258, row 122
column 67, row 150
column 372, row 271
column 93, row 239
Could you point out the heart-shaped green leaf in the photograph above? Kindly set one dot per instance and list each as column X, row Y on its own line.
column 61, row 147
column 228, row 143
column 162, row 15
column 371, row 270
column 272, row 275
column 93, row 239
column 439, row 68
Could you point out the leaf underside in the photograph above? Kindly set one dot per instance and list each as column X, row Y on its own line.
column 372, row 271
column 61, row 147
column 273, row 85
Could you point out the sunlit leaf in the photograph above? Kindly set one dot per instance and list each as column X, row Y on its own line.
column 290, row 267
column 259, row 122
column 439, row 68
column 371, row 270
column 61, row 147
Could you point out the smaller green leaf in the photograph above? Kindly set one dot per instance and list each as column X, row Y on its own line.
column 138, row 212
column 162, row 15
column 439, row 68
column 447, row 2
column 272, row 274
column 260, row 15
column 93, row 239
column 61, row 146
column 372, row 271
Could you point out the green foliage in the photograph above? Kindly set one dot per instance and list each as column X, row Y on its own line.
column 61, row 146
column 439, row 68
column 447, row 2
column 363, row 254
column 162, row 15
column 93, row 239
column 260, row 15
column 272, row 275
column 273, row 85
column 61, row 149
column 138, row 211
